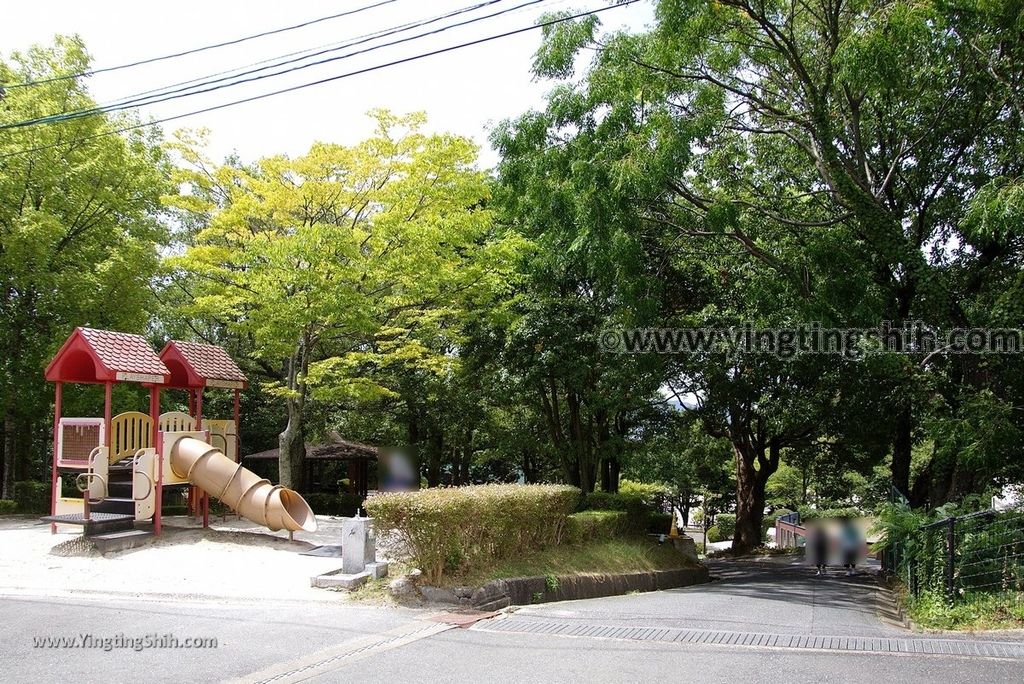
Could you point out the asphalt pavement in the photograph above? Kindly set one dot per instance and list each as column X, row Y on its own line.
column 771, row 620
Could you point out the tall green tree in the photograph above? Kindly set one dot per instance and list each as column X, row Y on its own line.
column 334, row 263
column 80, row 225
column 807, row 163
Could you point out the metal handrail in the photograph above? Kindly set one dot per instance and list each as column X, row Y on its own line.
column 135, row 471
column 83, row 487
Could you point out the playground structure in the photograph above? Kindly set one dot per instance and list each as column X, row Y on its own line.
column 122, row 464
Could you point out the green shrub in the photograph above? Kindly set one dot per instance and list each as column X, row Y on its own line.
column 714, row 534
column 8, row 506
column 633, row 505
column 32, row 496
column 460, row 529
column 334, row 504
column 808, row 513
column 659, row 523
column 654, row 495
column 726, row 524
column 588, row 526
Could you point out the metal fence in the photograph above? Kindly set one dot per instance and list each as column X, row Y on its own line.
column 979, row 552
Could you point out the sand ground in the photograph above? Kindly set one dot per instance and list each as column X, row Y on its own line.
column 232, row 560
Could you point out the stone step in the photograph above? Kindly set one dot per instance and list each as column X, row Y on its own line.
column 121, row 541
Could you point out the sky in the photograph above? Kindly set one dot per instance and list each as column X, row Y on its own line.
column 466, row 91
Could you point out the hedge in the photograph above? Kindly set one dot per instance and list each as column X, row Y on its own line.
column 8, row 506
column 588, row 526
column 659, row 523
column 714, row 534
column 654, row 495
column 808, row 513
column 32, row 496
column 634, row 506
column 334, row 504
column 459, row 529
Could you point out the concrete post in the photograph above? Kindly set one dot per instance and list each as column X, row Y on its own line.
column 358, row 546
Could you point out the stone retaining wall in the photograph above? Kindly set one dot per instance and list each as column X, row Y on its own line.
column 520, row 591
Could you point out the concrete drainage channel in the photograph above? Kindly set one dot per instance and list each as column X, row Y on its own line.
column 920, row 646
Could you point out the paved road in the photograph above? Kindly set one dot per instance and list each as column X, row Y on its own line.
column 250, row 636
column 660, row 636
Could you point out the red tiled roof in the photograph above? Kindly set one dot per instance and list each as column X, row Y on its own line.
column 209, row 361
column 119, row 351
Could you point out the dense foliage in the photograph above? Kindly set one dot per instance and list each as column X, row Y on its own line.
column 449, row 530
column 771, row 164
column 80, row 228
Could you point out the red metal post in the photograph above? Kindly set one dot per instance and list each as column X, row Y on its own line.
column 154, row 413
column 205, row 498
column 58, row 393
column 238, row 426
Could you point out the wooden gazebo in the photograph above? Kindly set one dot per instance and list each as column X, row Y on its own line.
column 357, row 457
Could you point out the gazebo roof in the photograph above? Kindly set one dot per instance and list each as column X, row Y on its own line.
column 340, row 450
column 193, row 364
column 96, row 356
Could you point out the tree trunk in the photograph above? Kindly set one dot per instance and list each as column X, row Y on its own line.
column 435, row 451
column 292, row 443
column 610, row 469
column 901, row 451
column 752, row 473
column 10, row 448
column 467, row 459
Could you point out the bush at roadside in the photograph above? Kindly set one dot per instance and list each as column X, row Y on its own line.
column 460, row 529
column 8, row 506
column 655, row 496
column 587, row 526
column 808, row 513
column 633, row 505
column 714, row 534
column 659, row 523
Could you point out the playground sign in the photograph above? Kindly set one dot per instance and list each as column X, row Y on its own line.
column 225, row 384
column 139, row 377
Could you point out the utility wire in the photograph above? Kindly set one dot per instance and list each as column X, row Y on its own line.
column 307, row 52
column 329, row 79
column 204, row 48
column 200, row 88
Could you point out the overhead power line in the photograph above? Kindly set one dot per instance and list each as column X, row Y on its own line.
column 330, row 79
column 204, row 48
column 211, row 85
column 304, row 53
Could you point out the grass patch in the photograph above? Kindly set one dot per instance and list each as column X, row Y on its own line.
column 972, row 611
column 615, row 555
column 373, row 590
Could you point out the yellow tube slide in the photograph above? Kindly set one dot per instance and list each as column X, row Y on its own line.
column 252, row 496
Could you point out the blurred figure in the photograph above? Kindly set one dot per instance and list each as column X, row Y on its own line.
column 396, row 471
column 850, row 544
column 817, row 546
